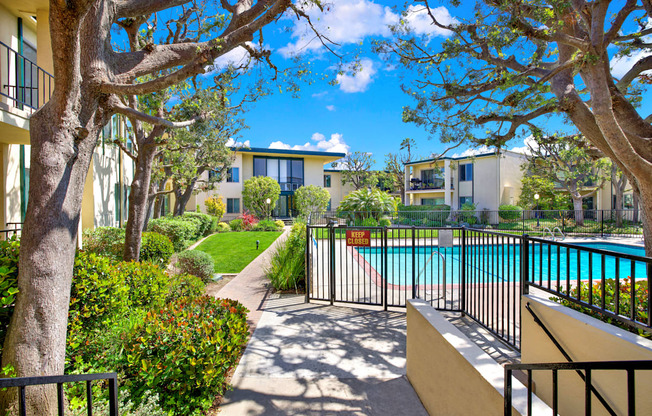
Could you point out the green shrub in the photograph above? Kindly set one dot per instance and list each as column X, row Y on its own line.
column 279, row 225
column 205, row 222
column 184, row 351
column 8, row 282
column 105, row 241
column 236, row 224
column 180, row 232
column 367, row 222
column 148, row 284
column 510, row 212
column 109, row 242
column 311, row 199
column 467, row 213
column 196, row 263
column 364, row 203
column 223, row 227
column 184, row 285
column 156, row 248
column 266, row 225
column 287, row 266
column 385, row 222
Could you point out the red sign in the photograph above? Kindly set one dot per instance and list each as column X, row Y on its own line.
column 358, row 238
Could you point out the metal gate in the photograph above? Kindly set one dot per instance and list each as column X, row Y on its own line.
column 395, row 264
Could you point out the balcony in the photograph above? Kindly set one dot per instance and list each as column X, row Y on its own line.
column 437, row 184
column 24, row 85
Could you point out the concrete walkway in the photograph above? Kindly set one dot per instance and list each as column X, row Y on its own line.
column 306, row 359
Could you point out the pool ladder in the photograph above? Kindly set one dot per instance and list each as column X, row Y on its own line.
column 552, row 233
column 423, row 270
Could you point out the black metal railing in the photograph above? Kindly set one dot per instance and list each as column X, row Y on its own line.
column 23, row 382
column 588, row 371
column 7, row 234
column 23, row 82
column 532, row 222
column 482, row 273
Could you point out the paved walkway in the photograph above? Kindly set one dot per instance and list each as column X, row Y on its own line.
column 307, row 359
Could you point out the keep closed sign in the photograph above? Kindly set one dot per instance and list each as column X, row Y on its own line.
column 358, row 238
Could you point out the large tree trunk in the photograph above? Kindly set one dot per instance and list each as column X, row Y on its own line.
column 579, row 210
column 139, row 202
column 63, row 135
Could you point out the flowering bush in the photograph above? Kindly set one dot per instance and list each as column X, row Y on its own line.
column 248, row 221
column 215, row 206
column 624, row 301
column 184, row 351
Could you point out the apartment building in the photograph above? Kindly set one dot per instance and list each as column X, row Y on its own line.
column 26, row 83
column 291, row 169
column 488, row 180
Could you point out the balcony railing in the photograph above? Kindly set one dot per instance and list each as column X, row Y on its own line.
column 422, row 186
column 24, row 83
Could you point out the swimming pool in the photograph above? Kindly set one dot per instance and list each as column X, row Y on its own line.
column 499, row 263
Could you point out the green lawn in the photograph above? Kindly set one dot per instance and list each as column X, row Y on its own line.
column 233, row 251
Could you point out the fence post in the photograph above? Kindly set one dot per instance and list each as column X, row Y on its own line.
column 523, row 221
column 414, row 264
column 385, row 268
column 602, row 223
column 463, row 292
column 331, row 268
column 525, row 255
column 308, row 269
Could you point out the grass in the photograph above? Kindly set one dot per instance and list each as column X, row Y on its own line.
column 233, row 251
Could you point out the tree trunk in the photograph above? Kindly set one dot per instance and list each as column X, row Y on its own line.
column 36, row 339
column 183, row 196
column 579, row 211
column 619, row 208
column 138, row 202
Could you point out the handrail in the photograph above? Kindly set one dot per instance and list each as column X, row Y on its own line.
column 551, row 234
column 563, row 237
column 23, row 382
column 27, row 84
column 426, row 265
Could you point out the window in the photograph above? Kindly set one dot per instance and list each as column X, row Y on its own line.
column 432, row 201
column 233, row 175
column 260, row 166
column 466, row 172
column 328, row 208
column 232, row 205
column 465, row 200
column 327, row 181
column 213, row 176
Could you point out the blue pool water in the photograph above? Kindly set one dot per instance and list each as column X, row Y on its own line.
column 496, row 263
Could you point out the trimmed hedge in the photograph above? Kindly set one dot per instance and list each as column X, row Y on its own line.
column 109, row 242
column 197, row 263
column 510, row 212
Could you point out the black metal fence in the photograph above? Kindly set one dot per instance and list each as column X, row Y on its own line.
column 532, row 222
column 23, row 82
column 479, row 272
column 23, row 382
column 587, row 371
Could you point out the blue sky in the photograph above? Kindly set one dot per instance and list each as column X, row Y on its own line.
column 362, row 112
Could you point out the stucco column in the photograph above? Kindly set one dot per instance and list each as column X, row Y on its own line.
column 406, row 178
column 447, row 182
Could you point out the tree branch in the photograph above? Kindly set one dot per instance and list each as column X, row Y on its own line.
column 135, row 8
column 154, row 120
column 642, row 65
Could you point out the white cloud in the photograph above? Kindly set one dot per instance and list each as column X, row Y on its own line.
column 343, row 22
column 418, row 19
column 330, row 107
column 350, row 21
column 360, row 79
column 320, row 143
column 232, row 143
column 320, row 94
column 620, row 66
column 525, row 149
column 473, row 152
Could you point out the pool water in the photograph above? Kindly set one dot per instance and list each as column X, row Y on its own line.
column 500, row 263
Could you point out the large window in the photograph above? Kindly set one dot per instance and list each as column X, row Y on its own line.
column 429, row 180
column 232, row 205
column 432, row 201
column 466, row 172
column 327, row 181
column 233, row 175
column 287, row 172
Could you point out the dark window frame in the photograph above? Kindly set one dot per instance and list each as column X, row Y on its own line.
column 233, row 205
